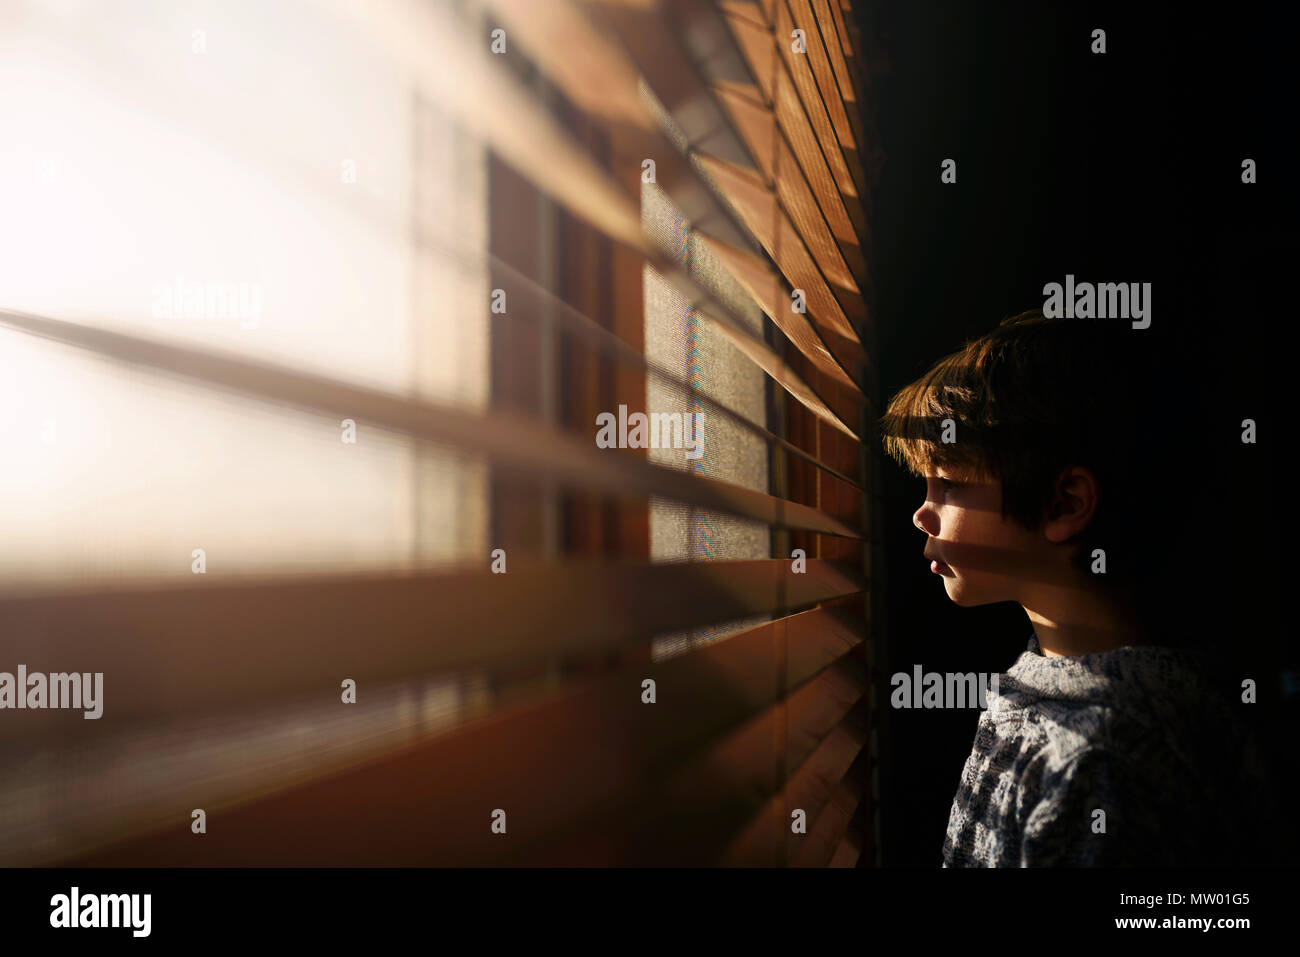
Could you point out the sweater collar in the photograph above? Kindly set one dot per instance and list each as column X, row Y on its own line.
column 1135, row 678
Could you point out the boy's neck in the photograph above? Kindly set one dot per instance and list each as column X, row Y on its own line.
column 1079, row 621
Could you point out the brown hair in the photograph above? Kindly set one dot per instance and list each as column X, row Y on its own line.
column 1023, row 403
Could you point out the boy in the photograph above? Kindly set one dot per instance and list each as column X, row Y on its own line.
column 1047, row 485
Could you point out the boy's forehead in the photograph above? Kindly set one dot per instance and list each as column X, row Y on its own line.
column 955, row 471
column 947, row 470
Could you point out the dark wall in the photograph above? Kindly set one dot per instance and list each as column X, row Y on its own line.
column 1118, row 167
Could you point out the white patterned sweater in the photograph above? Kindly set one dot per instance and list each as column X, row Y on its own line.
column 1135, row 734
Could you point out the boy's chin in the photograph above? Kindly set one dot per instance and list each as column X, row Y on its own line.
column 961, row 593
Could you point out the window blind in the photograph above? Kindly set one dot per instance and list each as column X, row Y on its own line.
column 504, row 652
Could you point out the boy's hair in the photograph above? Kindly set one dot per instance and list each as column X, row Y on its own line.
column 1025, row 402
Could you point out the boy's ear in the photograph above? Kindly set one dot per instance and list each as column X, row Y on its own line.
column 1074, row 502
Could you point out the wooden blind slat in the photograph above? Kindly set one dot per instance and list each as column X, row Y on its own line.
column 802, row 14
column 797, row 388
column 170, row 650
column 762, row 156
column 776, row 301
column 759, row 127
column 848, row 181
column 837, row 14
column 845, row 214
column 746, row 9
column 849, row 850
column 654, row 44
column 838, row 83
column 508, row 441
column 494, row 106
column 552, row 764
column 691, row 815
column 828, row 830
column 709, row 308
column 803, row 210
column 768, row 222
column 654, row 41
column 831, row 42
column 768, row 840
column 540, row 30
column 712, row 36
column 530, row 300
column 596, row 74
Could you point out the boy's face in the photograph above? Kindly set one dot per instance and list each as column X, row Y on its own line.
column 981, row 556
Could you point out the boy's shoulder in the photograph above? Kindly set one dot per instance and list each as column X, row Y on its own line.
column 1046, row 785
column 1036, row 747
column 1070, row 750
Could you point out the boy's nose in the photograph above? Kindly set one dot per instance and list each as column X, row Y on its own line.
column 924, row 519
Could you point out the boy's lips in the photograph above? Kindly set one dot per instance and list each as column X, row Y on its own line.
column 939, row 568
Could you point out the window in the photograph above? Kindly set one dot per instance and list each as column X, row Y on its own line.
column 255, row 228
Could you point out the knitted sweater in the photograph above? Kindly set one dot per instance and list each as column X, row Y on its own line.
column 1135, row 733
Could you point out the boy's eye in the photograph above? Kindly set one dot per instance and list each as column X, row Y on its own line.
column 947, row 485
